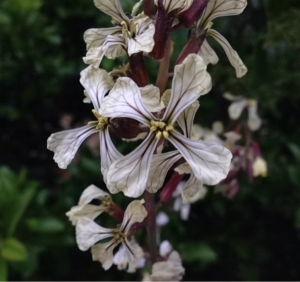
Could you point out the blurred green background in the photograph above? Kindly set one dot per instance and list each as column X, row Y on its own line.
column 255, row 236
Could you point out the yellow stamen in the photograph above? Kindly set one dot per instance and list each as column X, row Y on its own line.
column 161, row 129
column 101, row 121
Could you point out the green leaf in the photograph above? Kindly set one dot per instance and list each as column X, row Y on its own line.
column 13, row 250
column 295, row 150
column 46, row 225
column 3, row 269
column 197, row 252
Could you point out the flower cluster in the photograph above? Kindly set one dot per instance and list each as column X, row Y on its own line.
column 125, row 104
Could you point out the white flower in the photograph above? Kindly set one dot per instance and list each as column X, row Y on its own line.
column 84, row 209
column 88, row 233
column 215, row 9
column 259, row 167
column 65, row 144
column 170, row 270
column 131, row 35
column 165, row 248
column 162, row 219
column 209, row 161
column 237, row 106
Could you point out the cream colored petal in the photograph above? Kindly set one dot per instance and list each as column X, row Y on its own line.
column 112, row 8
column 236, row 108
column 193, row 190
column 90, row 193
column 190, row 81
column 136, row 7
column 114, row 46
column 151, row 98
column 97, row 83
column 259, row 167
column 208, row 55
column 135, row 212
column 184, row 169
column 95, row 37
column 103, row 253
column 65, row 144
column 171, row 5
column 94, row 56
column 228, row 96
column 89, row 233
column 166, row 97
column 232, row 55
column 254, row 121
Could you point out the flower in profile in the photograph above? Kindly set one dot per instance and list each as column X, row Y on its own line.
column 88, row 233
column 238, row 105
column 85, row 209
column 131, row 34
column 209, row 161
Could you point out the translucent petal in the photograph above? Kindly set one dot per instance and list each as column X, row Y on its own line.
column 65, row 144
column 151, row 98
column 112, row 8
column 186, row 119
column 193, row 190
column 208, row 55
column 90, row 193
column 103, row 253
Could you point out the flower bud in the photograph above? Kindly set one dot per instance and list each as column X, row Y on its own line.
column 188, row 17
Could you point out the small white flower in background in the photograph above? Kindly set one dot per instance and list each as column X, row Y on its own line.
column 259, row 167
column 131, row 35
column 237, row 106
column 85, row 209
column 216, row 9
column 162, row 219
column 88, row 233
column 209, row 161
column 231, row 138
column 165, row 248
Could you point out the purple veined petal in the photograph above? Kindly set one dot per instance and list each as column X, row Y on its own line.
column 151, row 98
column 134, row 253
column 125, row 100
column 193, row 190
column 190, row 81
column 160, row 165
column 65, row 144
column 103, row 252
column 108, row 153
column 186, row 119
column 90, row 193
column 172, row 5
column 221, row 8
column 95, row 37
column 112, row 8
column 89, row 233
column 232, row 55
column 114, row 46
column 97, row 83
column 208, row 55
column 135, row 212
column 130, row 173
column 236, row 108
column 209, row 161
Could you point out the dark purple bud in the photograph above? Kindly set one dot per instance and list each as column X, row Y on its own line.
column 138, row 71
column 188, row 17
column 150, row 8
column 169, row 189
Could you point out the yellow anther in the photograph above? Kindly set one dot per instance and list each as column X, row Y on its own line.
column 161, row 129
column 158, row 135
column 250, row 103
column 101, row 121
column 209, row 25
column 166, row 134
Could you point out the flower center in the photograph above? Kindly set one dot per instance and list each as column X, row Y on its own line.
column 129, row 31
column 120, row 236
column 101, row 121
column 161, row 128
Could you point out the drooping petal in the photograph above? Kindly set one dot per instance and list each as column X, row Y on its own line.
column 130, row 173
column 208, row 54
column 89, row 233
column 254, row 121
column 97, row 83
column 65, row 144
column 190, row 81
column 90, row 193
column 209, row 161
column 103, row 253
column 135, row 212
column 112, row 8
column 232, row 55
column 151, row 98
column 125, row 100
column 221, row 8
column 236, row 108
column 94, row 56
column 95, row 37
column 186, row 119
column 160, row 165
column 193, row 190
column 108, row 153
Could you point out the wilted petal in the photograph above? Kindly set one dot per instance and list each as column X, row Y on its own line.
column 89, row 233
column 112, row 8
column 94, row 56
column 208, row 55
column 95, row 37
column 254, row 121
column 125, row 100
column 151, row 98
column 186, row 119
column 209, row 161
column 160, row 165
column 103, row 253
column 232, row 55
column 135, row 212
column 193, row 190
column 191, row 80
column 90, row 193
column 97, row 83
column 236, row 108
column 65, row 144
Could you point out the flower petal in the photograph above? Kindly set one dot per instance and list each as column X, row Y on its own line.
column 191, row 80
column 130, row 173
column 88, row 233
column 193, row 190
column 65, row 144
column 254, row 121
column 151, row 98
column 232, row 55
column 236, row 108
column 103, row 253
column 125, row 100
column 97, row 83
column 90, row 193
column 112, row 8
column 160, row 165
column 171, row 5
column 209, row 161
column 208, row 54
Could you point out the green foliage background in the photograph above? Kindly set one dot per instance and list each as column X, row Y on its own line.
column 255, row 236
